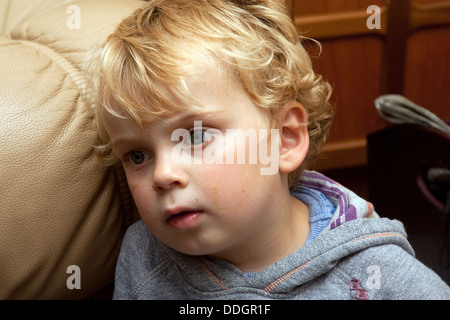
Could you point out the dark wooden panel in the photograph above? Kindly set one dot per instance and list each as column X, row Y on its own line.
column 427, row 72
column 353, row 67
column 408, row 55
column 316, row 7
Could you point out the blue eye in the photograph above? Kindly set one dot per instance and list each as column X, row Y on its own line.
column 198, row 136
column 138, row 157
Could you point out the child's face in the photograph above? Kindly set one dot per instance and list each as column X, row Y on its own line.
column 206, row 208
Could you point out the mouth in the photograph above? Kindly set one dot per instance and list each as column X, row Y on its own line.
column 182, row 219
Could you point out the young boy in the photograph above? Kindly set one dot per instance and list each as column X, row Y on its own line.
column 199, row 99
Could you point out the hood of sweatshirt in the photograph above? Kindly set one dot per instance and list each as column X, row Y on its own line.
column 354, row 227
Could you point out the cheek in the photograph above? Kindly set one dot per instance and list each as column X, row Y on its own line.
column 230, row 186
column 141, row 194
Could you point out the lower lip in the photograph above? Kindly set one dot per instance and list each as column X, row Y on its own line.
column 184, row 221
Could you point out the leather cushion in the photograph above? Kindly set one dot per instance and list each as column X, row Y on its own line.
column 59, row 206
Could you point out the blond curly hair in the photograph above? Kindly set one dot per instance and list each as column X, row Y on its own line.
column 255, row 41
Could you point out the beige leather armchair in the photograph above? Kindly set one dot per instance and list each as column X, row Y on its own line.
column 59, row 206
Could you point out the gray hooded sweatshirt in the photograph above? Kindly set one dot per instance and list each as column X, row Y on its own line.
column 355, row 255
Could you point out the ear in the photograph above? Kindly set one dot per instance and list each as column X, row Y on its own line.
column 294, row 138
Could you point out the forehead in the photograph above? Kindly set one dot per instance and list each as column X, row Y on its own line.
column 220, row 103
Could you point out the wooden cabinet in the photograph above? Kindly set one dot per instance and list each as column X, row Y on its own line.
column 408, row 54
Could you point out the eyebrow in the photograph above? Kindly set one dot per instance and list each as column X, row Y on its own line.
column 124, row 141
column 191, row 116
column 179, row 121
column 199, row 116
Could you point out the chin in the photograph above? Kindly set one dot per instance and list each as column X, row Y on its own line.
column 192, row 250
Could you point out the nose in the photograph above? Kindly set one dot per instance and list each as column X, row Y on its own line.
column 168, row 175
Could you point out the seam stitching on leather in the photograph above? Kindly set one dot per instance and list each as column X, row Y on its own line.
column 68, row 67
